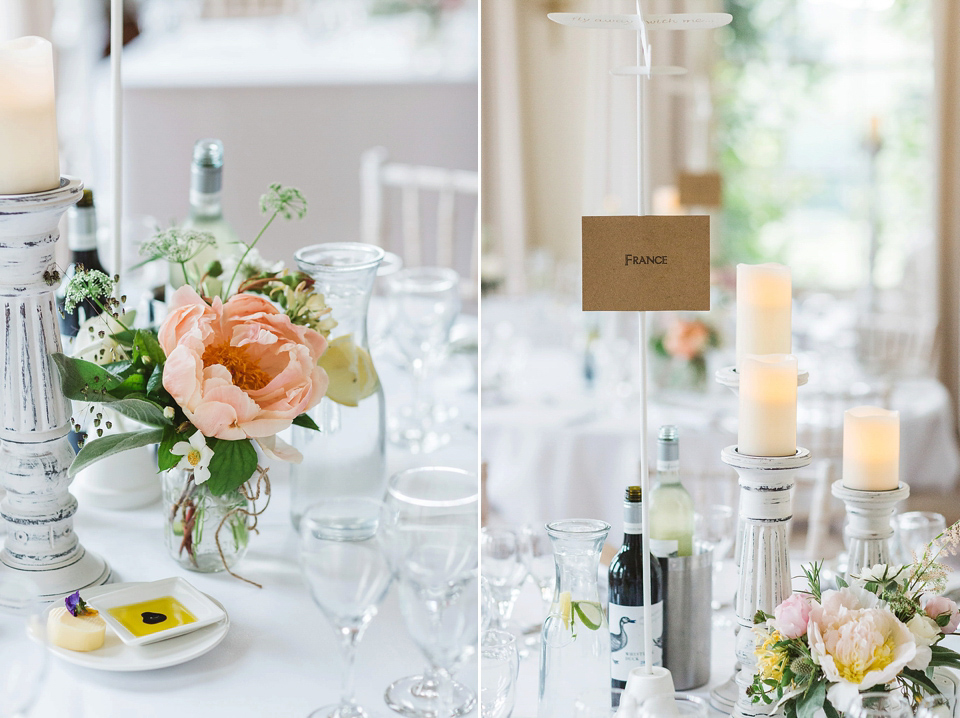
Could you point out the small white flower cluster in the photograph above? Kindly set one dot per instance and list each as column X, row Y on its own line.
column 283, row 201
column 87, row 284
column 177, row 244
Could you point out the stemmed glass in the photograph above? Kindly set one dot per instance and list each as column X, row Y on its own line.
column 499, row 667
column 24, row 660
column 504, row 567
column 431, row 524
column 538, row 556
column 716, row 529
column 343, row 564
column 940, row 706
column 425, row 302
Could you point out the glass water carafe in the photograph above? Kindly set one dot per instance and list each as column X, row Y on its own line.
column 575, row 645
column 346, row 457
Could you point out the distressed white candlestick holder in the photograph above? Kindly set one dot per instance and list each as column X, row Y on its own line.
column 34, row 415
column 870, row 526
column 766, row 507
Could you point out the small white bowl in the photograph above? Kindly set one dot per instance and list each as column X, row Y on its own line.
column 204, row 610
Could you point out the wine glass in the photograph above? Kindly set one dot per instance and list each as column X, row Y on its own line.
column 915, row 529
column 345, row 568
column 503, row 565
column 499, row 667
column 425, row 302
column 431, row 526
column 879, row 704
column 716, row 529
column 24, row 660
column 541, row 565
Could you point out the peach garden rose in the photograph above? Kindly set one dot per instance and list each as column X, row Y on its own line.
column 240, row 369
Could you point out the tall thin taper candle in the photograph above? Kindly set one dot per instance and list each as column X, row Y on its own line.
column 116, row 51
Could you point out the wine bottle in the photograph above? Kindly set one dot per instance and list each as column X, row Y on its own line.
column 625, row 608
column 82, row 240
column 206, row 211
column 671, row 508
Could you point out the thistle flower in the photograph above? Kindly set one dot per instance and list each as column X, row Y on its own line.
column 304, row 306
column 283, row 201
column 87, row 284
column 177, row 244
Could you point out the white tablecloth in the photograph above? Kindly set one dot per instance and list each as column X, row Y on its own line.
column 280, row 657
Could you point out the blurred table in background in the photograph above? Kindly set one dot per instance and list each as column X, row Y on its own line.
column 558, row 445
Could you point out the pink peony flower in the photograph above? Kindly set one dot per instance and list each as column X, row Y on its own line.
column 241, row 369
column 857, row 642
column 686, row 339
column 791, row 616
column 939, row 605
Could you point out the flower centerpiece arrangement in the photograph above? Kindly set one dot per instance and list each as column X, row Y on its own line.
column 685, row 343
column 238, row 359
column 880, row 632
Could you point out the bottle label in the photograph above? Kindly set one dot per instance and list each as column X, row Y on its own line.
column 627, row 638
column 664, row 548
column 667, row 465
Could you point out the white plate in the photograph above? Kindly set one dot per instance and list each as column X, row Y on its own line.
column 115, row 655
column 205, row 611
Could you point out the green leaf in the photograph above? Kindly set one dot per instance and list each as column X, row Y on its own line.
column 145, row 344
column 84, row 381
column 111, row 444
column 232, row 464
column 165, row 459
column 306, row 422
column 811, row 701
column 921, row 678
column 829, row 710
column 140, row 409
column 124, row 337
column 841, row 583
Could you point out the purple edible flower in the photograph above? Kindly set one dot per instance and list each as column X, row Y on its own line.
column 76, row 605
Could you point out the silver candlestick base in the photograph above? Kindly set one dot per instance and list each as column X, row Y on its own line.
column 869, row 528
column 766, row 507
column 35, row 452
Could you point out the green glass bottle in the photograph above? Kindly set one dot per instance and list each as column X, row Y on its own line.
column 671, row 507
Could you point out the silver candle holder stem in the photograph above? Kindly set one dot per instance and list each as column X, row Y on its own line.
column 870, row 526
column 766, row 507
column 35, row 452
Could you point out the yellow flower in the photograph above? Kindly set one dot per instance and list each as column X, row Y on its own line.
column 771, row 661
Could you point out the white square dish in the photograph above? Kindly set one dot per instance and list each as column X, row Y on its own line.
column 203, row 609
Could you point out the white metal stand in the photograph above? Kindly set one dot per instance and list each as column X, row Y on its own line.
column 870, row 527
column 766, row 505
column 34, row 415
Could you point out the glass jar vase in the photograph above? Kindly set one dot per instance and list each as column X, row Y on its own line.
column 575, row 641
column 347, row 456
column 203, row 532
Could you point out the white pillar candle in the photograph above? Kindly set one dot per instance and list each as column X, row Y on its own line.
column 763, row 310
column 768, row 405
column 29, row 157
column 871, row 449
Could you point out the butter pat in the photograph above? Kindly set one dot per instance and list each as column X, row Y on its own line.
column 75, row 633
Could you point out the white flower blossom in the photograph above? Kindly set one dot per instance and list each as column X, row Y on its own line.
column 196, row 457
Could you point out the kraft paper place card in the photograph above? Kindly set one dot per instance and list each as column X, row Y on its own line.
column 646, row 263
column 700, row 189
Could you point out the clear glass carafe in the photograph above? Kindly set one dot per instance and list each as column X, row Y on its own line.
column 347, row 456
column 575, row 645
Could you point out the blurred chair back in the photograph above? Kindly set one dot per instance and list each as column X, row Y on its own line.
column 416, row 185
column 249, row 8
column 820, row 429
column 893, row 345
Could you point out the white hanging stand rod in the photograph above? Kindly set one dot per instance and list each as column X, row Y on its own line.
column 644, row 69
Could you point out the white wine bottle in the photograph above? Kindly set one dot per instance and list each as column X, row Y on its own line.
column 671, row 508
column 206, row 212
